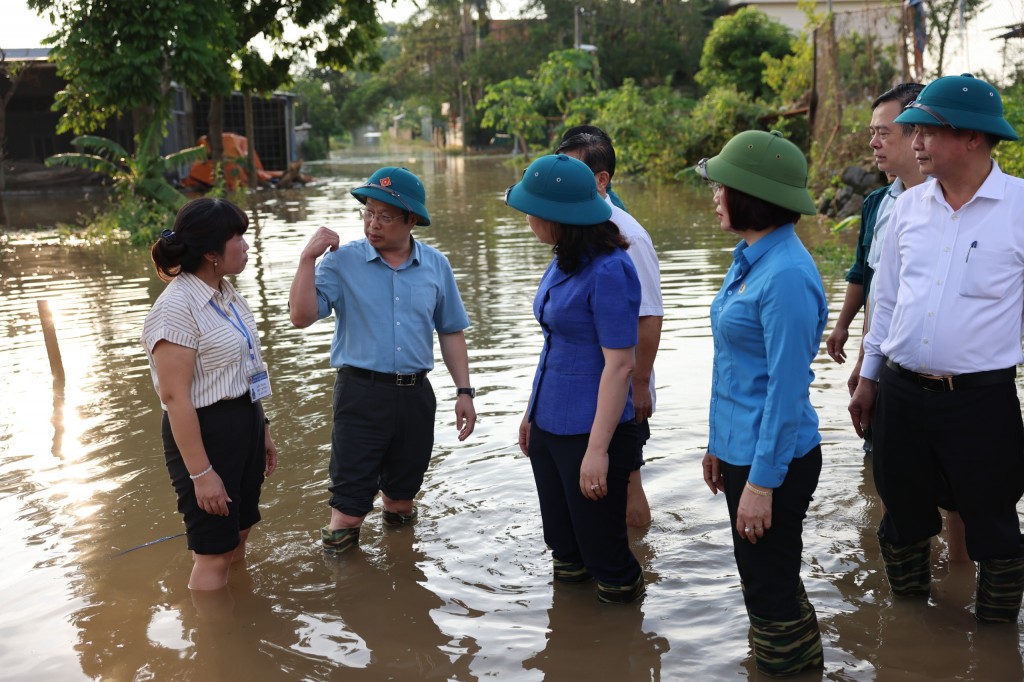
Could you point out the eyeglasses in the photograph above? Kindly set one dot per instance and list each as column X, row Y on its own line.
column 929, row 110
column 702, row 170
column 368, row 216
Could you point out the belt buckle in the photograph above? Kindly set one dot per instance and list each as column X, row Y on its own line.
column 405, row 379
column 944, row 380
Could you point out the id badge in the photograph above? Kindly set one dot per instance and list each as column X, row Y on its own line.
column 259, row 385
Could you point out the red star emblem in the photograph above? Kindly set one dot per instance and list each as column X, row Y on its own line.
column 385, row 182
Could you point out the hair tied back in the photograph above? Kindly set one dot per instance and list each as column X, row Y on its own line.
column 170, row 236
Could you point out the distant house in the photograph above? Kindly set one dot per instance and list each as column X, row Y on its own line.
column 880, row 18
column 32, row 124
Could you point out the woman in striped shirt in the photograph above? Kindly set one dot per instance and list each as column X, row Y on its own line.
column 207, row 367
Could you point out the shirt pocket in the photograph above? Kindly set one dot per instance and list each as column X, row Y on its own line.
column 988, row 274
column 219, row 348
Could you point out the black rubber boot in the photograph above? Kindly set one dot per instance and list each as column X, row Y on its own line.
column 784, row 648
column 1000, row 587
column 908, row 568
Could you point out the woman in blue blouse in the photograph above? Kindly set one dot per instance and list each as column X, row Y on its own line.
column 763, row 448
column 578, row 430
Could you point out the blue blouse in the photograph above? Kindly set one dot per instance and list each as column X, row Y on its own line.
column 596, row 307
column 767, row 322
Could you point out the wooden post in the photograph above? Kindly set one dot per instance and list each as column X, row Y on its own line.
column 50, row 337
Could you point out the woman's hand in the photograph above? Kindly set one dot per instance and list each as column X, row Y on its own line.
column 271, row 452
column 712, row 473
column 754, row 514
column 211, row 495
column 524, row 435
column 594, row 475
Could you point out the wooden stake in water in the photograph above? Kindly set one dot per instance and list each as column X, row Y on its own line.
column 50, row 336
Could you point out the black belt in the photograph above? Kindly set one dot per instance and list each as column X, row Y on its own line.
column 385, row 377
column 954, row 382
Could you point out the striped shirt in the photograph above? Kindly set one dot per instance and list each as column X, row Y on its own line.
column 183, row 314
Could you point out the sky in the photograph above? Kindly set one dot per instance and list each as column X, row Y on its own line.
column 20, row 27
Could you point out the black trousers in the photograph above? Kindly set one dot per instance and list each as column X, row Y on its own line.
column 962, row 450
column 770, row 570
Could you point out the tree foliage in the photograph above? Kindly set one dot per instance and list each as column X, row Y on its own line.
column 733, row 49
column 943, row 18
column 512, row 105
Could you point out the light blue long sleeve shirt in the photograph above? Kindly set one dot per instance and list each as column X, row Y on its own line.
column 767, row 322
column 385, row 316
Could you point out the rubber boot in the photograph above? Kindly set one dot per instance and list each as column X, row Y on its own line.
column 571, row 572
column 1000, row 587
column 784, row 648
column 337, row 541
column 620, row 594
column 908, row 568
column 395, row 519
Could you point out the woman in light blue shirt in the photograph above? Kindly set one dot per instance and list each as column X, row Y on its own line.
column 578, row 430
column 763, row 447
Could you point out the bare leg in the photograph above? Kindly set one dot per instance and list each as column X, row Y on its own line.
column 399, row 506
column 638, row 510
column 956, row 539
column 210, row 571
column 239, row 553
column 341, row 520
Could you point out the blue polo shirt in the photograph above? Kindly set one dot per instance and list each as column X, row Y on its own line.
column 385, row 317
column 596, row 307
column 766, row 322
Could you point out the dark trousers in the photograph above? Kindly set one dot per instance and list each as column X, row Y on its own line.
column 578, row 529
column 963, row 450
column 382, row 440
column 235, row 441
column 770, row 570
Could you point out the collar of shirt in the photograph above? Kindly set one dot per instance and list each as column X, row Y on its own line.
column 373, row 254
column 994, row 187
column 751, row 253
column 201, row 293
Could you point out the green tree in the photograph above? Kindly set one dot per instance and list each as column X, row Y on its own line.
column 733, row 49
column 512, row 105
column 943, row 18
column 120, row 57
column 566, row 75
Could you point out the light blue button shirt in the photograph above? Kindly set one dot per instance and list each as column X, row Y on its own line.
column 767, row 322
column 384, row 316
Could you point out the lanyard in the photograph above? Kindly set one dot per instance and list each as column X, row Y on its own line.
column 240, row 327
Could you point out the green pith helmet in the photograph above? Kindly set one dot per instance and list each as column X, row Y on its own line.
column 561, row 189
column 763, row 165
column 397, row 187
column 962, row 102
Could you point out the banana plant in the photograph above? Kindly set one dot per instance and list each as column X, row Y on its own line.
column 142, row 175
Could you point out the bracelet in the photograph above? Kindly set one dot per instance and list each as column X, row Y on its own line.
column 756, row 491
column 201, row 473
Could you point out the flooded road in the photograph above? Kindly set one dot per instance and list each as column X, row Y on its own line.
column 466, row 593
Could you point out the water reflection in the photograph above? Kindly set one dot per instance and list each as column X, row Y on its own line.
column 466, row 594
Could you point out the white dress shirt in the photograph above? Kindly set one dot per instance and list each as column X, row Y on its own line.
column 645, row 260
column 949, row 290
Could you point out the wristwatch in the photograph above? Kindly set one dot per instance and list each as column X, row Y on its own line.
column 471, row 392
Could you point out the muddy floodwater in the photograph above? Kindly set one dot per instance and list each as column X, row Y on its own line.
column 93, row 584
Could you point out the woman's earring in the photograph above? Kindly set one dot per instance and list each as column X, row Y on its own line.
column 215, row 262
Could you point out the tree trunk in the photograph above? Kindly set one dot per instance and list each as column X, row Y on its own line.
column 215, row 137
column 250, row 134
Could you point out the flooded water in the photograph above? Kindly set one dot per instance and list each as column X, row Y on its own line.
column 94, row 583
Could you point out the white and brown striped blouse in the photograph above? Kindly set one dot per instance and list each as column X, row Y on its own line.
column 183, row 314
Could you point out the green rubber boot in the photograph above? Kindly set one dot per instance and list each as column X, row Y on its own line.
column 395, row 519
column 1000, row 587
column 908, row 568
column 571, row 572
column 621, row 594
column 337, row 541
column 784, row 648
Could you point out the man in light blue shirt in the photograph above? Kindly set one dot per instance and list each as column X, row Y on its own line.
column 388, row 293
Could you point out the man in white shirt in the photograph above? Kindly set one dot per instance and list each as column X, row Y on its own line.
column 592, row 146
column 937, row 381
